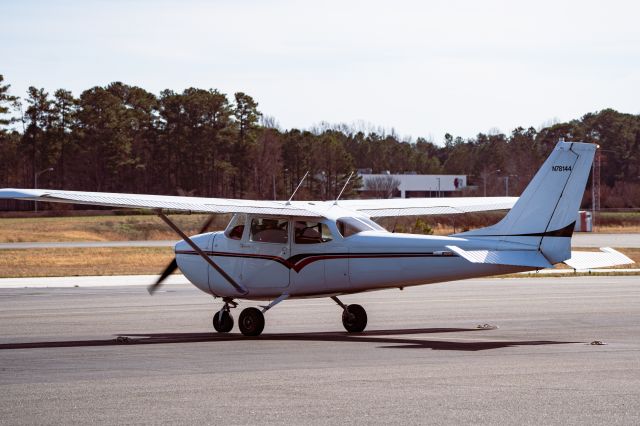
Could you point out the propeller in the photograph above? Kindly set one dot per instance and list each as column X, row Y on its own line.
column 171, row 267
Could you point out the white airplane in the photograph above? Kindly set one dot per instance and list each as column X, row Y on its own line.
column 277, row 250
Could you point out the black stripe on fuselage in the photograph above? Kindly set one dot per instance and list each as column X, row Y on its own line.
column 299, row 261
column 567, row 231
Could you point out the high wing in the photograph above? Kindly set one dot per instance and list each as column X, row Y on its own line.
column 162, row 202
column 371, row 208
column 428, row 206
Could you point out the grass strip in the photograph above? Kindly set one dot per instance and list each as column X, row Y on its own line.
column 101, row 228
column 61, row 262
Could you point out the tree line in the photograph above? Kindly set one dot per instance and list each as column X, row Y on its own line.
column 122, row 138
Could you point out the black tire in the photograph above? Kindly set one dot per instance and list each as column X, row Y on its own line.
column 354, row 318
column 223, row 321
column 251, row 322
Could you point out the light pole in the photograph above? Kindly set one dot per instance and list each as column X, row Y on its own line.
column 595, row 182
column 285, row 182
column 35, row 184
column 485, row 175
column 275, row 197
column 506, row 184
column 438, row 187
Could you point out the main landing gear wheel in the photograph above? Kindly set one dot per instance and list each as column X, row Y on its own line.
column 223, row 321
column 354, row 318
column 251, row 322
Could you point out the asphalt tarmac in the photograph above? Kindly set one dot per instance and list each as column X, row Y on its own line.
column 422, row 359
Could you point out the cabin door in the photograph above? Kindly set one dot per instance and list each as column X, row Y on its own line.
column 265, row 253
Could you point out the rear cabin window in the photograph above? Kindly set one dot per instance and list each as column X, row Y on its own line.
column 371, row 223
column 349, row 226
column 311, row 232
column 269, row 230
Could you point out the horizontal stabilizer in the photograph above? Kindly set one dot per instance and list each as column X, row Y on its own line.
column 530, row 258
column 597, row 259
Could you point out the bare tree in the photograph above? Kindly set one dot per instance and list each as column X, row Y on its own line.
column 270, row 122
column 381, row 186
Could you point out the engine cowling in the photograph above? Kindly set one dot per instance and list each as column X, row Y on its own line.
column 192, row 265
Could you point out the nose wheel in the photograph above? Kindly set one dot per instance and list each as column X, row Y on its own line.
column 223, row 320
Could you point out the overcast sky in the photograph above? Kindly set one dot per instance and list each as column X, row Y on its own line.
column 421, row 67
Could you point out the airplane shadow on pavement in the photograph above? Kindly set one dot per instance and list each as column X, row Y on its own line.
column 384, row 338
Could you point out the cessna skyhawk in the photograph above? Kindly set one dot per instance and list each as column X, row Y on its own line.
column 277, row 250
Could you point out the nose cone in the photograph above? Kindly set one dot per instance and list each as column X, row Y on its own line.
column 194, row 267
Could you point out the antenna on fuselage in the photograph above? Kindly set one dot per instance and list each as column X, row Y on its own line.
column 297, row 187
column 343, row 188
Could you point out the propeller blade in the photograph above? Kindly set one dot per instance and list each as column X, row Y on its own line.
column 174, row 265
column 167, row 271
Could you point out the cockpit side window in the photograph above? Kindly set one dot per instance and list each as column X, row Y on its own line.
column 269, row 230
column 348, row 226
column 235, row 229
column 311, row 232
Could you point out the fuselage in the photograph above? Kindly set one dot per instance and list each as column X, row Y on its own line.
column 305, row 257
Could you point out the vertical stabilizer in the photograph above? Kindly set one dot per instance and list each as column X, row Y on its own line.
column 546, row 212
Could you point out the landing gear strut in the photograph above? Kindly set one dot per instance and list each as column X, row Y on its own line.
column 354, row 317
column 223, row 320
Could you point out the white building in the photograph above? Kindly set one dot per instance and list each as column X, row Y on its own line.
column 411, row 185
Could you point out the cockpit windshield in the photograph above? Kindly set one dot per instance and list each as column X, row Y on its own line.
column 235, row 228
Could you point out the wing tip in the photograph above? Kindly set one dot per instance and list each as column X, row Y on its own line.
column 15, row 193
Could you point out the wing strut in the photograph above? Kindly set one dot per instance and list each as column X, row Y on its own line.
column 202, row 254
column 335, row 203
column 296, row 190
